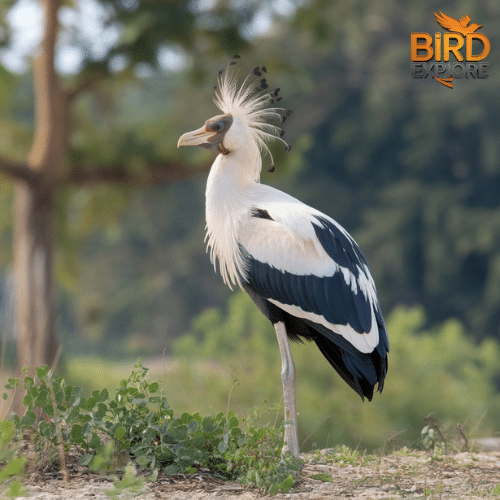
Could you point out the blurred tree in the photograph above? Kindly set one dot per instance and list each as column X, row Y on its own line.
column 145, row 28
column 409, row 166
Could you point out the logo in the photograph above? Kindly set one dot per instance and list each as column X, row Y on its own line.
column 466, row 46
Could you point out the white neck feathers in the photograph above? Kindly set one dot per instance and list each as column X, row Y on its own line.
column 228, row 200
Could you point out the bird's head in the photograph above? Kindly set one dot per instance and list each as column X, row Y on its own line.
column 244, row 123
column 211, row 136
column 473, row 27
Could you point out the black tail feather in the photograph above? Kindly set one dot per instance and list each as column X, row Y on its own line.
column 362, row 372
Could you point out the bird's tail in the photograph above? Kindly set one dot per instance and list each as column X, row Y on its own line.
column 360, row 371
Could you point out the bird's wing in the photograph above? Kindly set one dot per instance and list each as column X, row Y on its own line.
column 464, row 21
column 447, row 22
column 306, row 264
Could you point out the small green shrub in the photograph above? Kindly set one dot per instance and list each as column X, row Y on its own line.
column 138, row 421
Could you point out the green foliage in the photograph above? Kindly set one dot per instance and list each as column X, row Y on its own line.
column 322, row 477
column 11, row 462
column 127, row 140
column 139, row 422
column 339, row 455
column 224, row 334
column 440, row 371
column 129, row 484
column 403, row 166
column 410, row 168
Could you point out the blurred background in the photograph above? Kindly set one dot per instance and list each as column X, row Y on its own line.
column 93, row 98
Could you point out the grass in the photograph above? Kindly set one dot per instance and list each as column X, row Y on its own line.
column 340, row 456
column 322, row 477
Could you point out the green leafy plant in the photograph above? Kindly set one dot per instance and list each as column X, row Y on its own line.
column 138, row 422
column 11, row 464
column 129, row 484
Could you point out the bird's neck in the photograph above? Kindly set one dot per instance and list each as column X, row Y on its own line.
column 230, row 186
column 230, row 183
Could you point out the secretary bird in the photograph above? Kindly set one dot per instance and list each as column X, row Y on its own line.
column 303, row 270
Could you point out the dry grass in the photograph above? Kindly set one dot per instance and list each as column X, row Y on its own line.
column 338, row 475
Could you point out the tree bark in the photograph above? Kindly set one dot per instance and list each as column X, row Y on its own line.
column 35, row 314
column 33, row 266
column 36, row 184
column 51, row 104
column 35, row 302
column 18, row 171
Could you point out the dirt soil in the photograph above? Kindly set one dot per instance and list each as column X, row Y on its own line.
column 406, row 474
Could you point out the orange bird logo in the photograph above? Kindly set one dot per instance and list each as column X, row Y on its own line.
column 459, row 26
column 464, row 33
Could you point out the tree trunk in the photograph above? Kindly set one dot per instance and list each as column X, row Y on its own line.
column 35, row 314
column 36, row 185
column 34, row 284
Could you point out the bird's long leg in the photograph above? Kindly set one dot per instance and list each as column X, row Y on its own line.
column 288, row 380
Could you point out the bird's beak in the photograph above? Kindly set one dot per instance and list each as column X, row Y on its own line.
column 196, row 137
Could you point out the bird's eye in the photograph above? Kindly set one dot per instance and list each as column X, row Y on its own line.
column 218, row 127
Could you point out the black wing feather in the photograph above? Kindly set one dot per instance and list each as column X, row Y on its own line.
column 328, row 296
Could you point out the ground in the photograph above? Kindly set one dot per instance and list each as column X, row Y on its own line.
column 326, row 475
